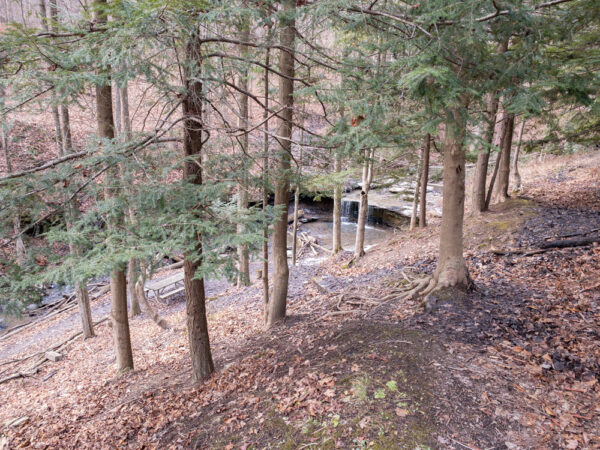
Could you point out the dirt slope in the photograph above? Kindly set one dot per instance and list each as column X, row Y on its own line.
column 513, row 364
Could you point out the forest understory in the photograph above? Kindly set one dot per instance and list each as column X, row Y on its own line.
column 512, row 364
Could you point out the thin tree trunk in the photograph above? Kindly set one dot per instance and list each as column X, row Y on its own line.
column 125, row 119
column 65, row 147
column 139, row 287
column 297, row 199
column 19, row 244
column 118, row 282
column 132, row 278
column 265, row 191
column 133, row 266
column 277, row 303
column 413, row 216
column 202, row 363
column 243, row 278
column 515, row 173
column 367, row 178
column 483, row 156
column 55, row 114
column 337, row 206
column 424, row 181
column 66, row 128
column 501, row 188
column 499, row 137
column 295, row 225
column 117, row 109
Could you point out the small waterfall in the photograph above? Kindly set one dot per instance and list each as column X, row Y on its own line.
column 349, row 210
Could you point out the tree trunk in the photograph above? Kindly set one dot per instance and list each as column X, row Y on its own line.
column 451, row 268
column 19, row 243
column 139, row 287
column 66, row 128
column 117, row 109
column 118, row 282
column 515, row 168
column 337, row 206
column 277, row 303
column 133, row 267
column 295, row 225
column 132, row 278
column 85, row 311
column 483, row 157
column 498, row 142
column 243, row 278
column 424, row 181
column 202, row 363
column 413, row 216
column 265, row 188
column 501, row 188
column 367, row 178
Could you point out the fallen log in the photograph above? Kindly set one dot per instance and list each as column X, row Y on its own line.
column 567, row 243
column 547, row 246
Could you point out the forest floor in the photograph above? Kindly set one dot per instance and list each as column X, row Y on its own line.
column 513, row 364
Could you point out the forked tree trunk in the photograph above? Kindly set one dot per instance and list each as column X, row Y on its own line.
column 451, row 269
column 515, row 168
column 118, row 282
column 498, row 142
column 195, row 296
column 483, row 157
column 501, row 187
column 424, row 181
column 367, row 178
column 243, row 278
column 277, row 302
column 265, row 187
column 337, row 206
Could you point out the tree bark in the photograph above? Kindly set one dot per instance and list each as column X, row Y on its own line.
column 515, row 168
column 132, row 278
column 451, row 269
column 19, row 244
column 295, row 225
column 243, row 278
column 202, row 363
column 118, row 282
column 277, row 303
column 424, row 181
column 367, row 178
column 483, row 157
column 413, row 216
column 265, row 187
column 133, row 266
column 501, row 188
column 498, row 142
column 337, row 206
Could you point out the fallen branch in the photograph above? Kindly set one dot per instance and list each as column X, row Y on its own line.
column 547, row 246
